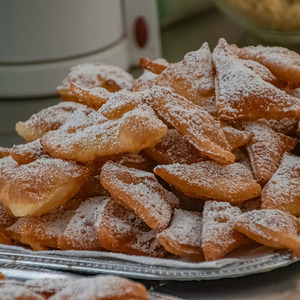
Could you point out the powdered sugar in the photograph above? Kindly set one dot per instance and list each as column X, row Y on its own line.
column 185, row 228
column 243, row 94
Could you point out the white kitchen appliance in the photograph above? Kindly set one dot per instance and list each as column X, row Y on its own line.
column 41, row 40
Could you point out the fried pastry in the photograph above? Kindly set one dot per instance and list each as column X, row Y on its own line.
column 92, row 186
column 122, row 231
column 40, row 233
column 192, row 78
column 154, row 66
column 103, row 288
column 4, row 239
column 282, row 191
column 6, row 218
column 92, row 97
column 140, row 192
column 266, row 150
column 285, row 125
column 172, row 149
column 50, row 118
column 7, row 167
column 282, row 62
column 235, row 137
column 11, row 291
column 95, row 74
column 119, row 132
column 135, row 161
column 183, row 236
column 193, row 123
column 218, row 236
column 263, row 72
column 29, row 152
column 80, row 233
column 4, row 151
column 207, row 179
column 271, row 227
column 242, row 94
column 42, row 185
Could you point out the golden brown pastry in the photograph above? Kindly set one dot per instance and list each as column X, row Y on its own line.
column 282, row 62
column 103, row 288
column 172, row 149
column 4, row 151
column 122, row 231
column 266, row 149
column 218, row 236
column 95, row 74
column 80, row 233
column 242, row 94
column 184, row 235
column 271, row 227
column 153, row 66
column 207, row 179
column 27, row 153
column 109, row 131
column 41, row 186
column 40, row 233
column 195, row 124
column 140, row 192
column 283, row 189
column 50, row 118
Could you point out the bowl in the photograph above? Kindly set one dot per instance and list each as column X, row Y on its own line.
column 273, row 21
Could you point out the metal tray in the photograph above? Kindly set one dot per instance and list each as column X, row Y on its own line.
column 20, row 275
column 93, row 263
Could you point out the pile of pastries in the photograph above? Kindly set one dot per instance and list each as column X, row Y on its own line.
column 88, row 288
column 191, row 160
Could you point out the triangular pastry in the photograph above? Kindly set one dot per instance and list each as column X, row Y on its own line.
column 95, row 74
column 140, row 192
column 282, row 191
column 242, row 94
column 183, row 236
column 50, row 118
column 271, row 227
column 282, row 62
column 218, row 236
column 195, row 124
column 80, row 233
column 266, row 149
column 207, row 179
column 122, row 231
column 172, row 149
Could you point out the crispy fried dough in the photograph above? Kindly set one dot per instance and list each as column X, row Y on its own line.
column 218, row 236
column 242, row 94
column 207, row 179
column 282, row 62
column 140, row 192
column 122, row 231
column 95, row 74
column 184, row 235
column 50, row 118
column 172, row 149
column 117, row 127
column 80, row 233
column 271, row 227
column 266, row 149
column 193, row 123
column 41, row 186
column 103, row 288
column 282, row 191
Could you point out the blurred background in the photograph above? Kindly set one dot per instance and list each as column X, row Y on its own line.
column 41, row 40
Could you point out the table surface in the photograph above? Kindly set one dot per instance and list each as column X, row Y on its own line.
column 188, row 35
